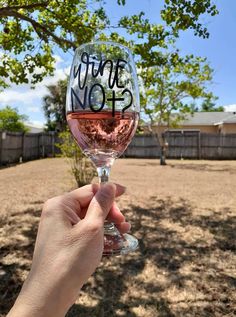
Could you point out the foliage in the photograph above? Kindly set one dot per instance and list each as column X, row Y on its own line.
column 31, row 31
column 210, row 106
column 54, row 106
column 11, row 120
column 81, row 167
column 170, row 88
column 170, row 82
column 185, row 14
column 29, row 46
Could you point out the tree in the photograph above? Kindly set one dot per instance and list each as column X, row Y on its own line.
column 171, row 82
column 31, row 30
column 54, row 106
column 209, row 105
column 11, row 120
column 66, row 24
column 170, row 89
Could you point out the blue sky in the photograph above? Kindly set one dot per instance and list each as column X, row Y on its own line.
column 220, row 50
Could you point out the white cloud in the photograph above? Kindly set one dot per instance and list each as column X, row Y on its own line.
column 34, row 109
column 230, row 108
column 26, row 96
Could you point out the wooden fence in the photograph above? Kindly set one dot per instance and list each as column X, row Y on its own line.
column 16, row 146
column 185, row 144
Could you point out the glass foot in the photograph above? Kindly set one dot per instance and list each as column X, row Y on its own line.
column 116, row 243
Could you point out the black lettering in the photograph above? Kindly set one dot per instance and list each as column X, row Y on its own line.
column 126, row 90
column 90, row 96
column 114, row 99
column 116, row 77
column 75, row 97
column 100, row 71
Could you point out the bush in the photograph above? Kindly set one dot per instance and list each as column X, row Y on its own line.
column 81, row 167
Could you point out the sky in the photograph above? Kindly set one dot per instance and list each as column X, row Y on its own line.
column 220, row 50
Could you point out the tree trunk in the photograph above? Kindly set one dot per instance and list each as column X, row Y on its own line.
column 161, row 141
column 163, row 155
column 163, row 146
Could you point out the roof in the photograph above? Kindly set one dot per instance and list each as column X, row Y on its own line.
column 33, row 128
column 209, row 118
column 231, row 119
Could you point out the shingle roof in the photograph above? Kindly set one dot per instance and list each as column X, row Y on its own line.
column 231, row 119
column 209, row 118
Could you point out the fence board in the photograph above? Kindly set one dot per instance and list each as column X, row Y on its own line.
column 15, row 147
column 182, row 144
column 185, row 144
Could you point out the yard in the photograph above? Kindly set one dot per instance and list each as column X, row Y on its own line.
column 184, row 215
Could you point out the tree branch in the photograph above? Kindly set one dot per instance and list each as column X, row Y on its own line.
column 37, row 27
column 26, row 6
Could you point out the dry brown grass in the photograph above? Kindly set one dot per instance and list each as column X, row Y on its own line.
column 184, row 215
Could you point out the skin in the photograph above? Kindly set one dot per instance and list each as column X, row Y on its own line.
column 68, row 249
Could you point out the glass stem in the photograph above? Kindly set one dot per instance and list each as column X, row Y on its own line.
column 103, row 176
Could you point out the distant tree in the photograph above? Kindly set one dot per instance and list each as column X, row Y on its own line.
column 11, row 120
column 169, row 90
column 209, row 105
column 54, row 106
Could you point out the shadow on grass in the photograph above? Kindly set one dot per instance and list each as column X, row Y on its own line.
column 204, row 167
column 172, row 273
column 18, row 234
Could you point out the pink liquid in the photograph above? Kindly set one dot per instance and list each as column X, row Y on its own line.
column 101, row 136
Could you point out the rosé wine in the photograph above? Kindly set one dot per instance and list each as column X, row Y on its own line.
column 100, row 135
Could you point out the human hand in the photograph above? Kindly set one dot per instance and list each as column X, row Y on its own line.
column 68, row 249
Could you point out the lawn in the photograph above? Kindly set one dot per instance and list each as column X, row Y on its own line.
column 184, row 215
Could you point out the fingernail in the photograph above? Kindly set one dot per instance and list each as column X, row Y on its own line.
column 123, row 188
column 129, row 226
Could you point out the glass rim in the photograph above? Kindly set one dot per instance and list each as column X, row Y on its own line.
column 104, row 42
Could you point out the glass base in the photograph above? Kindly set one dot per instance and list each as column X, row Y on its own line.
column 116, row 243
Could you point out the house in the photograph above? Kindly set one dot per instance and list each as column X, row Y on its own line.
column 205, row 122
column 34, row 128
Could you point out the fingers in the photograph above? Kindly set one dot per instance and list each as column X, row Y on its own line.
column 73, row 206
column 123, row 227
column 84, row 195
column 101, row 203
column 115, row 214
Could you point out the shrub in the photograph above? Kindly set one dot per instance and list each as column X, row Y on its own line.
column 81, row 167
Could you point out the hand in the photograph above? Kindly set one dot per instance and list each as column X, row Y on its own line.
column 68, row 249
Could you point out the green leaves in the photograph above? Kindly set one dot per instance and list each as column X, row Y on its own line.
column 185, row 14
column 173, row 86
column 54, row 106
column 11, row 120
column 30, row 30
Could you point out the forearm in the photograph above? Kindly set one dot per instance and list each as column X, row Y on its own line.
column 27, row 307
column 26, row 311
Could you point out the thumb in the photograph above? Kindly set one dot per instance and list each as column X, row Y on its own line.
column 101, row 203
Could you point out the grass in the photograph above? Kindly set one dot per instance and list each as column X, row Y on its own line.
column 184, row 215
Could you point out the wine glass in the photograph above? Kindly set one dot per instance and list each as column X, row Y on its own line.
column 102, row 108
